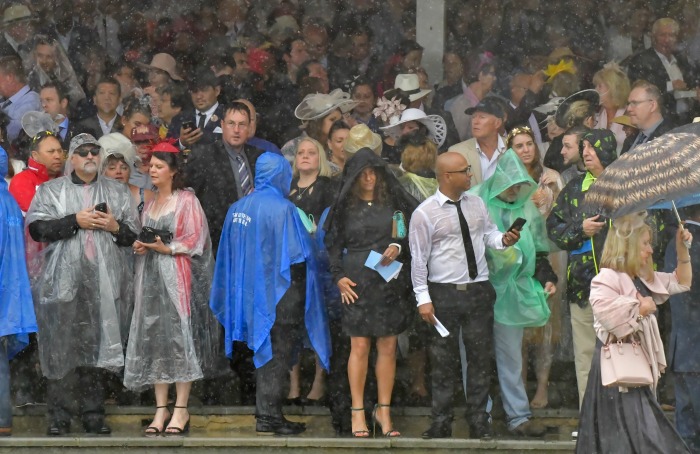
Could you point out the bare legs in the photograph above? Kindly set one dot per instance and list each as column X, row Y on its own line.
column 180, row 416
column 357, row 376
column 318, row 388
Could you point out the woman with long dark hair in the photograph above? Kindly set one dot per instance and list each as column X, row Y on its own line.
column 174, row 336
column 361, row 222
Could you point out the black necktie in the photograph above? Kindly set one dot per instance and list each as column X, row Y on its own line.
column 467, row 240
column 642, row 138
column 6, row 104
column 202, row 118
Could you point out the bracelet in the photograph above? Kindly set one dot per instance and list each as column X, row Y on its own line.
column 640, row 317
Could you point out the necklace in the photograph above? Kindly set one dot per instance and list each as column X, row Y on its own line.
column 300, row 192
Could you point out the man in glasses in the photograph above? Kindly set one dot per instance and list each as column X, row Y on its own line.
column 448, row 236
column 644, row 107
column 82, row 285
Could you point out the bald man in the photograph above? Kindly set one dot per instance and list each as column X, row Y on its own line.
column 257, row 142
column 448, row 236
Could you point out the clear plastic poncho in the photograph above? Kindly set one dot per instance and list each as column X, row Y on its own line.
column 174, row 336
column 63, row 71
column 520, row 298
column 82, row 286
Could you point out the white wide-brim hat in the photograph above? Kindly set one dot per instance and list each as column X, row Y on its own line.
column 437, row 129
column 318, row 105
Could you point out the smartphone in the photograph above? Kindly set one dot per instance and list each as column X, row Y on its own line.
column 518, row 224
column 189, row 125
column 101, row 207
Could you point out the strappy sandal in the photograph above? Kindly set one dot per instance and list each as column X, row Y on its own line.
column 362, row 433
column 153, row 431
column 392, row 433
column 176, row 431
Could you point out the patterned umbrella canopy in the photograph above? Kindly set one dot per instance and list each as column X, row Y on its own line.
column 664, row 169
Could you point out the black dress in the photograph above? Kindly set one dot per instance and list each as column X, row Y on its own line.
column 314, row 198
column 381, row 308
column 623, row 422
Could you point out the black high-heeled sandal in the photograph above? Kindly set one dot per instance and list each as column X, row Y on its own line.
column 175, row 431
column 153, row 431
column 393, row 433
column 362, row 433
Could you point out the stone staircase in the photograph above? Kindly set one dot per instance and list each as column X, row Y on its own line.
column 232, row 429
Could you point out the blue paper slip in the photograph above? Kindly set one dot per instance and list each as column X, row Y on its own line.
column 388, row 272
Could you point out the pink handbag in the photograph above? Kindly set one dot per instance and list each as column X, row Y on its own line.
column 624, row 364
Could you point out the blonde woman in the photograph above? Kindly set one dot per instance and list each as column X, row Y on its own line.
column 613, row 86
column 624, row 296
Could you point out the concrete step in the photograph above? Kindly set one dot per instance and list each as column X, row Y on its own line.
column 232, row 429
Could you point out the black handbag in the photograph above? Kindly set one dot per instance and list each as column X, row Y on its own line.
column 149, row 234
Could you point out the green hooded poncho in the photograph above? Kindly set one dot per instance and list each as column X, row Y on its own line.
column 520, row 298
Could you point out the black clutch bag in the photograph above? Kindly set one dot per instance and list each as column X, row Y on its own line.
column 149, row 234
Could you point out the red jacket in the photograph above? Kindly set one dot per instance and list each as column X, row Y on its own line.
column 23, row 185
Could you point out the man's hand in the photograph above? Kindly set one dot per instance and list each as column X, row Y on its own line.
column 106, row 221
column 427, row 313
column 679, row 85
column 189, row 137
column 87, row 219
column 591, row 226
column 511, row 237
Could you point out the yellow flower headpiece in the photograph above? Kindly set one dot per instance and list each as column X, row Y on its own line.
column 563, row 66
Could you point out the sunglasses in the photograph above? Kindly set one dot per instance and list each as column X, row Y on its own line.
column 83, row 152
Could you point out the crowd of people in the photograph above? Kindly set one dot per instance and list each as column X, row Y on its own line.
column 177, row 213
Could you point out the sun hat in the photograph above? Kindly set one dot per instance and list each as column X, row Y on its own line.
column 409, row 85
column 623, row 120
column 164, row 62
column 16, row 13
column 590, row 95
column 360, row 136
column 437, row 129
column 318, row 105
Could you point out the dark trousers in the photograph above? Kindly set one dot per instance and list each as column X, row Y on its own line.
column 472, row 311
column 80, row 392
column 5, row 401
column 688, row 408
column 338, row 386
column 272, row 379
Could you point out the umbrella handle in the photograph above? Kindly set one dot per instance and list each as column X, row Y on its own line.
column 680, row 223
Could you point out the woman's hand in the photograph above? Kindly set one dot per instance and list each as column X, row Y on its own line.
column 646, row 305
column 683, row 236
column 158, row 246
column 347, row 294
column 591, row 225
column 389, row 255
column 550, row 289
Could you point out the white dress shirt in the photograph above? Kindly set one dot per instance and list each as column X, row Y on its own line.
column 674, row 73
column 106, row 126
column 207, row 114
column 437, row 248
column 488, row 166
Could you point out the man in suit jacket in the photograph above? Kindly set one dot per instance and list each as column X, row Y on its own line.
column 670, row 72
column 207, row 113
column 222, row 172
column 106, row 99
column 486, row 145
column 55, row 102
column 646, row 113
column 684, row 356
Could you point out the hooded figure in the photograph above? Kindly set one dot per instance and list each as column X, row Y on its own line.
column 17, row 318
column 266, row 278
column 520, row 299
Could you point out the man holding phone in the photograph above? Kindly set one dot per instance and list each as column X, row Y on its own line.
column 82, row 287
column 449, row 235
column 203, row 124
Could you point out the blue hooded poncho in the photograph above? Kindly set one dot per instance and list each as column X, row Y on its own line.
column 17, row 317
column 262, row 237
